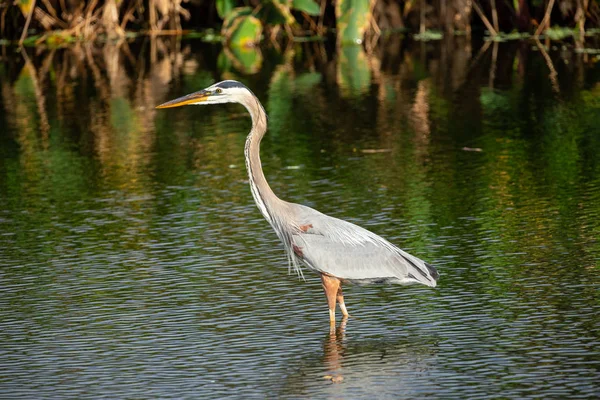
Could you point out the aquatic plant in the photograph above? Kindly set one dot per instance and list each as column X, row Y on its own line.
column 244, row 23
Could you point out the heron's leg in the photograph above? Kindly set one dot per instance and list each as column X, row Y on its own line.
column 330, row 286
column 340, row 299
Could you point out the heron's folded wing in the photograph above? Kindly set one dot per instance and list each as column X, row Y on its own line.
column 347, row 251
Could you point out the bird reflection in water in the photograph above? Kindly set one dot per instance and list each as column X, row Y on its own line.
column 333, row 351
column 349, row 358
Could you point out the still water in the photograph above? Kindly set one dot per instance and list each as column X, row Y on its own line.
column 134, row 263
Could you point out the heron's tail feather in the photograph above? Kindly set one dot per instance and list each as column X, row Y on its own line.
column 293, row 264
column 432, row 271
column 420, row 271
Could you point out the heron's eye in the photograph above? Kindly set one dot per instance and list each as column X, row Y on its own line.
column 219, row 91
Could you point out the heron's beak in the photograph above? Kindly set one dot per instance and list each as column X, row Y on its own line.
column 194, row 98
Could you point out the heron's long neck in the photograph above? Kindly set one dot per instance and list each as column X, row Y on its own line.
column 261, row 191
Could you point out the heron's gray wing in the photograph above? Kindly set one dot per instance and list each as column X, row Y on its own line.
column 352, row 253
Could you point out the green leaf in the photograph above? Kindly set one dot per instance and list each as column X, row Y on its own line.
column 307, row 6
column 224, row 7
column 353, row 17
column 232, row 16
column 284, row 3
column 241, row 28
column 245, row 32
column 26, row 6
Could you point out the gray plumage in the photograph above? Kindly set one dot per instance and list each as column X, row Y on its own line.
column 354, row 254
column 330, row 246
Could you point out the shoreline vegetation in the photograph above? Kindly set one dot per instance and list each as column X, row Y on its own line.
column 141, row 72
column 247, row 23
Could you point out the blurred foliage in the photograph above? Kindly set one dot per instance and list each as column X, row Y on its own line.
column 353, row 21
column 514, row 35
column 224, row 7
column 429, row 35
column 493, row 100
column 246, row 60
column 559, row 33
column 241, row 28
column 26, row 6
column 353, row 71
column 309, row 7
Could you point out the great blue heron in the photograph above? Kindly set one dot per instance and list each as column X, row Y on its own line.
column 337, row 250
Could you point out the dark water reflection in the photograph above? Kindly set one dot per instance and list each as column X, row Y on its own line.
column 134, row 263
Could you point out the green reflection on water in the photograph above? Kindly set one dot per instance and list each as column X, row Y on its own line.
column 115, row 215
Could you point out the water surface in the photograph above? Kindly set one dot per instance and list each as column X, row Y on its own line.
column 134, row 263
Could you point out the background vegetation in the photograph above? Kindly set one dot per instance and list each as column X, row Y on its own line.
column 250, row 21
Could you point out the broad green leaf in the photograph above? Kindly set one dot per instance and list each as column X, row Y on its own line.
column 307, row 6
column 241, row 28
column 245, row 31
column 232, row 17
column 353, row 17
column 224, row 7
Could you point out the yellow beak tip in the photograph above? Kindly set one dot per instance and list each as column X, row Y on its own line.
column 193, row 98
column 170, row 104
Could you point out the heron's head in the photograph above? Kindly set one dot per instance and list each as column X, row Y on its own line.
column 222, row 92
